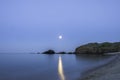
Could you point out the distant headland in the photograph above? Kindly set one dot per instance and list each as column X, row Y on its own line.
column 91, row 48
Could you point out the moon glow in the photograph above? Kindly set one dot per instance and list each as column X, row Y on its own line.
column 60, row 37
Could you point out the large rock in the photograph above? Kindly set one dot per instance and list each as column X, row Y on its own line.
column 49, row 52
column 98, row 48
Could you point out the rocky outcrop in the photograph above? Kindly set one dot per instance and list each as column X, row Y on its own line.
column 98, row 48
column 49, row 52
column 61, row 53
column 92, row 48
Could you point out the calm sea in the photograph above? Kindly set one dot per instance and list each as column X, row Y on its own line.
column 47, row 67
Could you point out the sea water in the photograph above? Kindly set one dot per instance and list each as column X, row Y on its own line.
column 47, row 67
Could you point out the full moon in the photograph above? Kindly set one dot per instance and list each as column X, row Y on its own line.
column 60, row 37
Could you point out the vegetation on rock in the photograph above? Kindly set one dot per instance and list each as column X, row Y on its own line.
column 98, row 48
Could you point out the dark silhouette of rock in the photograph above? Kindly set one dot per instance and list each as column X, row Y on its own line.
column 98, row 48
column 70, row 53
column 61, row 53
column 49, row 52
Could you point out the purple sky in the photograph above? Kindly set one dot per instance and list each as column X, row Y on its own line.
column 34, row 25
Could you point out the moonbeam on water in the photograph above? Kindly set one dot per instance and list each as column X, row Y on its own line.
column 60, row 69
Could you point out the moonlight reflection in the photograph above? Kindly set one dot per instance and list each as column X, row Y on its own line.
column 60, row 69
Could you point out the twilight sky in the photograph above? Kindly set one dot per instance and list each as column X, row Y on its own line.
column 34, row 25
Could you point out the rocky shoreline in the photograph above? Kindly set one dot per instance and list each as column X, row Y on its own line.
column 90, row 49
column 110, row 71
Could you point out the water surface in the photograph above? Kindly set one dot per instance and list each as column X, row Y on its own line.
column 46, row 67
